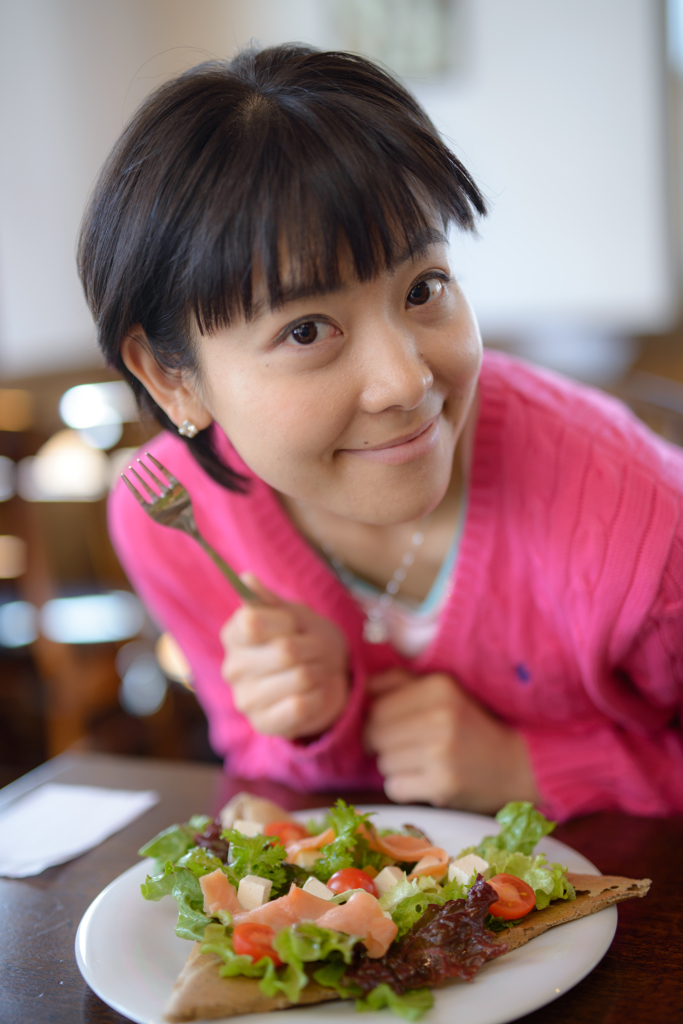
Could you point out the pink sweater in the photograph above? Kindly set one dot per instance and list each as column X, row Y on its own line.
column 565, row 610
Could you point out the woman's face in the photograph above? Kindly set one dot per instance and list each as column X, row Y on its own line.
column 353, row 400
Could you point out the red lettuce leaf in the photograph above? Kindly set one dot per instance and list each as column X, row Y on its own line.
column 449, row 941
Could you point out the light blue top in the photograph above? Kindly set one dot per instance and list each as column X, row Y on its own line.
column 437, row 592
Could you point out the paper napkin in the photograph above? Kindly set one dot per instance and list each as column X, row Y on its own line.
column 56, row 822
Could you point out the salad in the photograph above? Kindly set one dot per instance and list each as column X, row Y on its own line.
column 347, row 908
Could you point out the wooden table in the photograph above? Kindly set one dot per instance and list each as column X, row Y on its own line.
column 640, row 980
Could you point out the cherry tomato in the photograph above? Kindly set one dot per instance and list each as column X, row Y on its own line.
column 515, row 897
column 286, row 831
column 255, row 940
column 351, row 878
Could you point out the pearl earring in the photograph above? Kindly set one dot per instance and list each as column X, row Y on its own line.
column 188, row 429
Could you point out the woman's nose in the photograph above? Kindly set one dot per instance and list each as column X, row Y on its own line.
column 396, row 374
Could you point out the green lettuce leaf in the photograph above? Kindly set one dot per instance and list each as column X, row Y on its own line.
column 156, row 886
column 314, row 826
column 407, row 901
column 549, row 881
column 301, row 944
column 410, row 910
column 497, row 924
column 296, row 946
column 289, row 980
column 199, row 861
column 510, row 852
column 330, row 975
column 183, row 885
column 307, row 942
column 255, row 855
column 423, row 884
column 364, row 857
column 411, row 1005
column 175, row 841
column 456, row 890
column 521, row 827
column 344, row 849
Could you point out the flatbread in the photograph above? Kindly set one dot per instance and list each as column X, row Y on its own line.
column 593, row 893
column 201, row 994
column 247, row 807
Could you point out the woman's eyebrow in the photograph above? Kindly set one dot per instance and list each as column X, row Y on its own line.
column 416, row 248
column 419, row 245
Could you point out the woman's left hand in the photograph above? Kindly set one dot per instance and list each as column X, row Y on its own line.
column 434, row 743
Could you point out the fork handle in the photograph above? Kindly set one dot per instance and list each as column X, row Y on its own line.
column 242, row 589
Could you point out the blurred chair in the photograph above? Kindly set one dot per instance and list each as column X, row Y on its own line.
column 67, row 678
column 657, row 400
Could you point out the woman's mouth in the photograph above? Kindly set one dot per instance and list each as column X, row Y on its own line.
column 401, row 449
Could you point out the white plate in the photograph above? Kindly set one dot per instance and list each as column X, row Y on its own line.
column 128, row 952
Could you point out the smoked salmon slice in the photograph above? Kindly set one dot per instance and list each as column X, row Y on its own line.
column 362, row 915
column 296, row 906
column 309, row 843
column 434, row 864
column 381, row 933
column 219, row 894
column 428, row 859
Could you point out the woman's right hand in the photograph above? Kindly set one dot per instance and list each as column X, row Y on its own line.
column 287, row 667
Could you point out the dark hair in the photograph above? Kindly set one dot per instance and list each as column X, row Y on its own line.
column 232, row 163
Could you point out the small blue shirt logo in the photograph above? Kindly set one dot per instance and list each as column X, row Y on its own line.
column 522, row 673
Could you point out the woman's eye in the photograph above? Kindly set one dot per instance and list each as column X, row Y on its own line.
column 309, row 331
column 425, row 291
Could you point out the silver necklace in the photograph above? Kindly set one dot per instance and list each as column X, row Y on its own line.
column 375, row 628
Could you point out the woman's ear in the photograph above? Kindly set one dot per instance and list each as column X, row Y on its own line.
column 171, row 391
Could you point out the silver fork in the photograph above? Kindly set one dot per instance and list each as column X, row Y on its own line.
column 173, row 507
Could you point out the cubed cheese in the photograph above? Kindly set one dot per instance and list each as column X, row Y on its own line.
column 307, row 858
column 317, row 888
column 461, row 870
column 387, row 878
column 248, row 828
column 254, row 891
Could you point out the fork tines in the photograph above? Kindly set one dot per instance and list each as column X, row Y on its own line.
column 172, row 482
column 162, row 469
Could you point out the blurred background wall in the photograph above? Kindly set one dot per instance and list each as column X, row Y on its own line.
column 570, row 116
column 559, row 109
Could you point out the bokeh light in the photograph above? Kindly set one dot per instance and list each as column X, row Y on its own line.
column 143, row 686
column 12, row 557
column 8, row 474
column 64, row 469
column 92, row 618
column 18, row 624
column 96, row 405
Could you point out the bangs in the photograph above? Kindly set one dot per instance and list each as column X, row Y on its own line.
column 306, row 178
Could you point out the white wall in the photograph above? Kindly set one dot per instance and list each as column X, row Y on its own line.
column 557, row 111
column 561, row 118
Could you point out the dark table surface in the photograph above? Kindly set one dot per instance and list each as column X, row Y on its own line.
column 639, row 980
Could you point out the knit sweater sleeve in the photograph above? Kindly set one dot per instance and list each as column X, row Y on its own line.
column 590, row 767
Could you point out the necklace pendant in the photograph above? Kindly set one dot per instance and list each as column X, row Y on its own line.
column 375, row 631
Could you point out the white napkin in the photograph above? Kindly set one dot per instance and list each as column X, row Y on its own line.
column 56, row 822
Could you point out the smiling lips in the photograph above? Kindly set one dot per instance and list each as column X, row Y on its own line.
column 405, row 449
